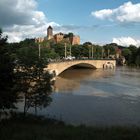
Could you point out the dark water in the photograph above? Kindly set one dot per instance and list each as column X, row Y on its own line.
column 97, row 97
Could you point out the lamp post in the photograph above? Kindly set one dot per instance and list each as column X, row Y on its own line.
column 92, row 51
column 108, row 53
column 39, row 51
column 89, row 52
column 65, row 50
column 102, row 52
column 70, row 50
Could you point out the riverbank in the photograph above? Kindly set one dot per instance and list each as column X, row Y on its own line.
column 38, row 128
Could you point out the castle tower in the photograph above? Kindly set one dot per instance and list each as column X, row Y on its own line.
column 49, row 33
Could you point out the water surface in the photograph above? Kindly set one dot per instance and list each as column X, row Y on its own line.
column 97, row 97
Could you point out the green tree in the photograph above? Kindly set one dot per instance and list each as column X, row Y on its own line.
column 33, row 82
column 79, row 51
column 137, row 61
column 97, row 51
column 69, row 35
column 87, row 44
column 133, row 55
column 49, row 53
column 8, row 96
column 127, row 54
column 110, row 49
column 28, row 42
column 59, row 49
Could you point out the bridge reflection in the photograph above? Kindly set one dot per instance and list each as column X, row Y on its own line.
column 71, row 79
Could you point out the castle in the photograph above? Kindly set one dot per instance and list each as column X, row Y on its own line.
column 74, row 40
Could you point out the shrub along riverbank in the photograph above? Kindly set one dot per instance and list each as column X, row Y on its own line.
column 37, row 128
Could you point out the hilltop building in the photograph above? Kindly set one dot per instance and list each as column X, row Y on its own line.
column 74, row 40
column 39, row 39
column 58, row 37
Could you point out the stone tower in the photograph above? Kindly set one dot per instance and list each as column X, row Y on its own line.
column 49, row 33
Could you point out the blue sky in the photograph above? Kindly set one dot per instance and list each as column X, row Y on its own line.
column 97, row 21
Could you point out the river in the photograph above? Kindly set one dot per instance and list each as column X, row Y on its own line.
column 96, row 97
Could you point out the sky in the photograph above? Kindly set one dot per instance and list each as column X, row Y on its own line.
column 97, row 21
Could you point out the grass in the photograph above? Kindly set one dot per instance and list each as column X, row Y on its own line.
column 37, row 128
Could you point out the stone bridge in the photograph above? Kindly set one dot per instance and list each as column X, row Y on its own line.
column 58, row 67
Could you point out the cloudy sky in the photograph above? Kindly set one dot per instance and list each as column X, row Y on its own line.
column 97, row 21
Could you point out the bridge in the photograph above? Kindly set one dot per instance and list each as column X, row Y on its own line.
column 58, row 67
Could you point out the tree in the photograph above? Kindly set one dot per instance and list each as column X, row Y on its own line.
column 97, row 51
column 79, row 51
column 137, row 61
column 127, row 54
column 133, row 55
column 110, row 49
column 8, row 96
column 33, row 82
column 87, row 44
column 49, row 53
column 69, row 35
column 59, row 49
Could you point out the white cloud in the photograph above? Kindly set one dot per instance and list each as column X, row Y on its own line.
column 17, row 33
column 102, row 14
column 126, row 41
column 23, row 20
column 128, row 12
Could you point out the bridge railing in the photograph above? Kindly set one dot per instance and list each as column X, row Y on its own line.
column 80, row 59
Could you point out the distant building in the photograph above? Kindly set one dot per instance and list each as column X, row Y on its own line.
column 49, row 33
column 58, row 37
column 75, row 40
column 40, row 39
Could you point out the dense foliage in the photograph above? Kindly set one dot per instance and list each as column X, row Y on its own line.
column 8, row 96
column 22, row 75
column 33, row 82
column 132, row 55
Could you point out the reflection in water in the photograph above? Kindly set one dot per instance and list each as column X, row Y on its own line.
column 70, row 80
column 97, row 97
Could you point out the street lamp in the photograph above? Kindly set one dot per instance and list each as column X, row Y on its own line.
column 102, row 52
column 70, row 50
column 92, row 51
column 65, row 50
column 39, row 51
column 38, row 42
column 108, row 53
column 89, row 52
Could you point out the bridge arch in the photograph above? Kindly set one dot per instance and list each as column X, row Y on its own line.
column 82, row 65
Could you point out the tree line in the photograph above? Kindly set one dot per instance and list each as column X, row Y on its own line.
column 132, row 55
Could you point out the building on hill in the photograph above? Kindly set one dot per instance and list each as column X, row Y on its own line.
column 39, row 39
column 49, row 33
column 74, row 40
column 58, row 37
